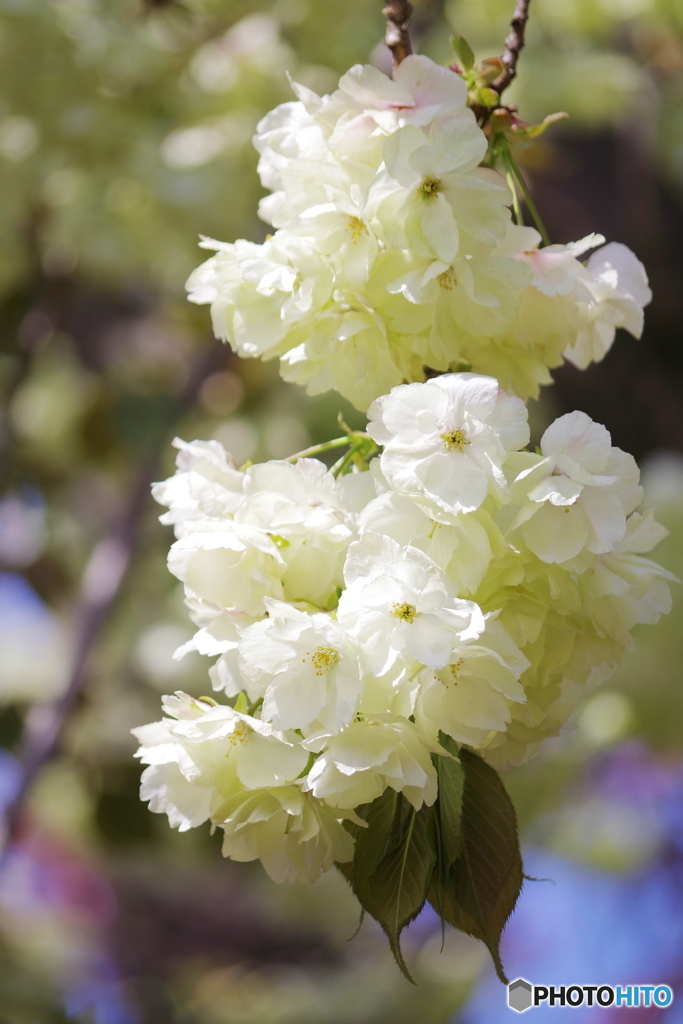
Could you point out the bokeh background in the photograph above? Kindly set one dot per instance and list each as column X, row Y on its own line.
column 125, row 132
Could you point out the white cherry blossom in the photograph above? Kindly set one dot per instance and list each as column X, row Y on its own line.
column 304, row 666
column 622, row 588
column 287, row 133
column 447, row 439
column 462, row 545
column 302, row 509
column 398, row 604
column 368, row 106
column 611, row 293
column 377, row 751
column 577, row 493
column 295, row 836
column 464, row 586
column 419, row 92
column 475, row 294
column 433, row 198
column 556, row 268
column 229, row 565
column 347, row 350
column 259, row 293
column 471, row 696
column 199, row 756
column 207, row 484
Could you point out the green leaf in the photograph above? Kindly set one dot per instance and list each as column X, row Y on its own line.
column 447, row 818
column 448, row 807
column 463, row 52
column 371, row 844
column 401, row 880
column 532, row 131
column 482, row 887
column 393, row 864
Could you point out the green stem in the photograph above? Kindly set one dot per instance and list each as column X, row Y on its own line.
column 309, row 765
column 341, row 465
column 531, row 205
column 512, row 185
column 318, row 449
column 362, row 449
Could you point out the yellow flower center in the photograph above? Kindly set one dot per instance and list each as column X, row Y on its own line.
column 405, row 612
column 239, row 733
column 430, row 188
column 447, row 280
column 455, row 440
column 454, row 671
column 456, row 666
column 356, row 227
column 323, row 659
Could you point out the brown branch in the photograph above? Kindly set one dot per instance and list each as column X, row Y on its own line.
column 514, row 44
column 101, row 584
column 398, row 14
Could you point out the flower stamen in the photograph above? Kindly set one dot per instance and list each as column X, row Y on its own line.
column 456, row 666
column 323, row 659
column 455, row 440
column 239, row 733
column 430, row 188
column 405, row 612
column 356, row 227
column 447, row 280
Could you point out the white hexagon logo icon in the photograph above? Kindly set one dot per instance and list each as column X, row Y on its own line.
column 520, row 995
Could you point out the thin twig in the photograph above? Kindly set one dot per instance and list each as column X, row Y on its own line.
column 398, row 14
column 514, row 45
column 100, row 586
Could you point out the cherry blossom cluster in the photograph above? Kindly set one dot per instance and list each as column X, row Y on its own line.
column 462, row 586
column 394, row 252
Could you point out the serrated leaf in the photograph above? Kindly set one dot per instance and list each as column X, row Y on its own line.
column 383, row 818
column 482, row 887
column 447, row 815
column 448, row 807
column 463, row 52
column 372, row 843
column 393, row 864
column 401, row 880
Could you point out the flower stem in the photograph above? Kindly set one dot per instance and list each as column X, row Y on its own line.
column 531, row 205
column 361, row 450
column 512, row 184
column 318, row 449
column 343, row 464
